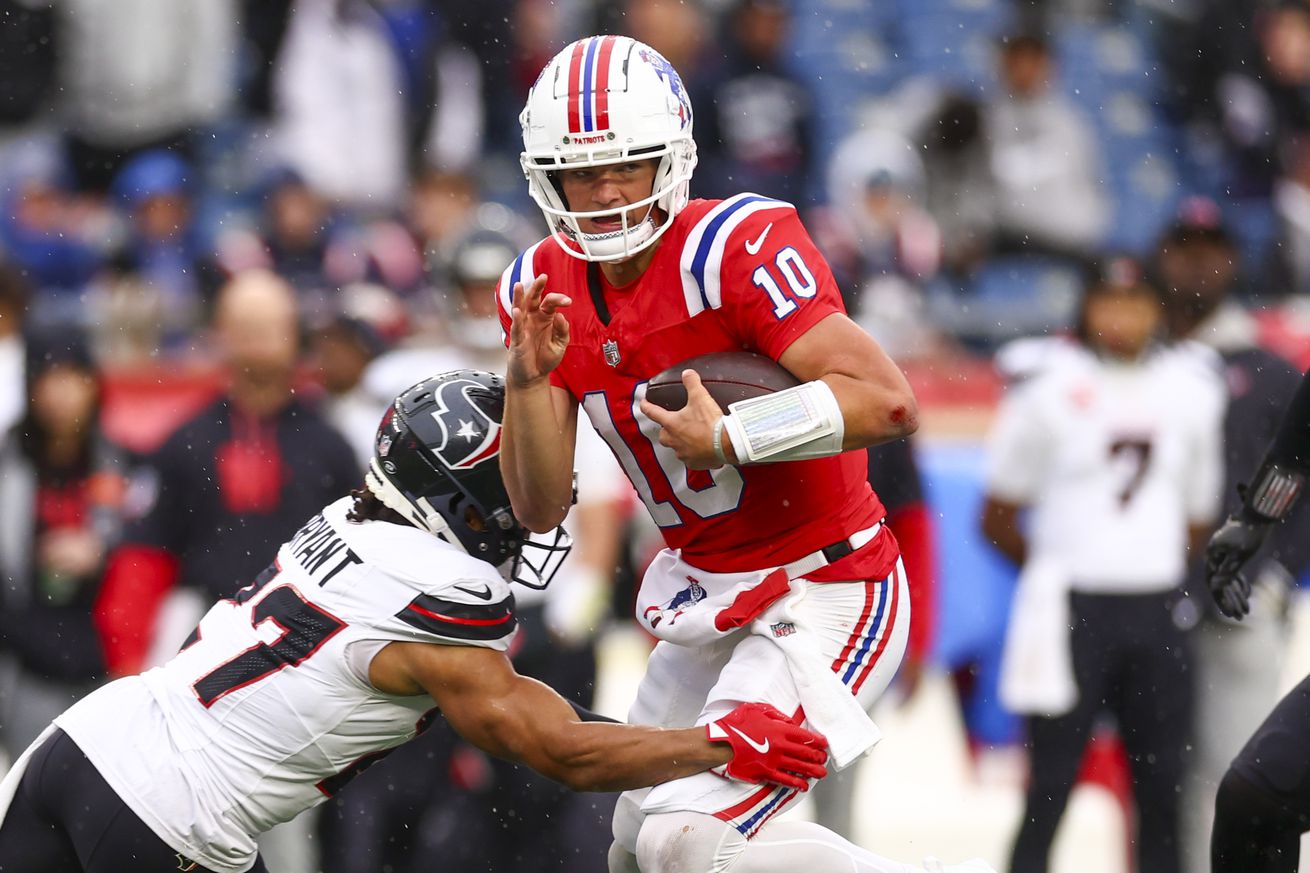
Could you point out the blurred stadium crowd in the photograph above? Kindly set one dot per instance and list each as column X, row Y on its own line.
column 248, row 215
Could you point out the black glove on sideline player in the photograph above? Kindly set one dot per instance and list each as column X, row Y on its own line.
column 1240, row 537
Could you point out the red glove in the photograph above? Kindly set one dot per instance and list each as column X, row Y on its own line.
column 767, row 747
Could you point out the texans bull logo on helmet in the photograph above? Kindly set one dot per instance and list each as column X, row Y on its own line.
column 469, row 435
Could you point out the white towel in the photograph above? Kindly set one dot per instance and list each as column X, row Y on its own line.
column 1037, row 663
column 829, row 705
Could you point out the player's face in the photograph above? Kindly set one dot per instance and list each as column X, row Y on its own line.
column 591, row 189
column 1121, row 324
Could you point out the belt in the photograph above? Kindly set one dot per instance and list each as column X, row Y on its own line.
column 833, row 553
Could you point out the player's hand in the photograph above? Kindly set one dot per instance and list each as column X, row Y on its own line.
column 767, row 747
column 538, row 333
column 1231, row 547
column 690, row 430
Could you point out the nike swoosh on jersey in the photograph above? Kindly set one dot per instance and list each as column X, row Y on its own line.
column 753, row 246
column 762, row 748
column 484, row 592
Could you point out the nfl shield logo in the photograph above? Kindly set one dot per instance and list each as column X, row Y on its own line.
column 783, row 629
column 611, row 350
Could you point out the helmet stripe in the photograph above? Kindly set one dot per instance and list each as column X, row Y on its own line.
column 575, row 88
column 587, row 80
column 603, row 84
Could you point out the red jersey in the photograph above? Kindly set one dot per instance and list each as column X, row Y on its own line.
column 733, row 275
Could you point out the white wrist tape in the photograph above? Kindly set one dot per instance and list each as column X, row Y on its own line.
column 794, row 424
column 718, row 441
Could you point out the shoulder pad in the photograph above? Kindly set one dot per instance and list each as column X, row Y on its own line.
column 702, row 253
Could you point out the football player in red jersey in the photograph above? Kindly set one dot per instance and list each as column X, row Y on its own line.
column 781, row 582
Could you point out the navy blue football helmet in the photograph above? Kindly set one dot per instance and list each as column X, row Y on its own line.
column 436, row 461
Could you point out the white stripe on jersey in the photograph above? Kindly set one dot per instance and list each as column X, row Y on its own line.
column 702, row 253
column 520, row 270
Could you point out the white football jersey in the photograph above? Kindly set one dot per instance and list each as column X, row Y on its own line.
column 1114, row 459
column 267, row 709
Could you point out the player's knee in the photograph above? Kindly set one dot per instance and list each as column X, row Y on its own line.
column 627, row 822
column 620, row 860
column 687, row 842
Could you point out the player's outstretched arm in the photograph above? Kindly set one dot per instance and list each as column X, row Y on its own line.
column 520, row 719
column 539, row 426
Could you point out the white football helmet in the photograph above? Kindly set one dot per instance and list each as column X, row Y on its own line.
column 608, row 100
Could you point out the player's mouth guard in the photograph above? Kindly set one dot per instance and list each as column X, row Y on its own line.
column 793, row 424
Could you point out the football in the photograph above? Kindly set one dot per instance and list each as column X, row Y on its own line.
column 728, row 376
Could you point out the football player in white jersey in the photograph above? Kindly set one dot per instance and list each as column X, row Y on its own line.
column 389, row 608
column 1112, row 442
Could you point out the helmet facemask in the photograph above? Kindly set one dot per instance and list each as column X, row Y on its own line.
column 669, row 193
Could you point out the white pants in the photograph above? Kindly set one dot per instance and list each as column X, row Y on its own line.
column 860, row 627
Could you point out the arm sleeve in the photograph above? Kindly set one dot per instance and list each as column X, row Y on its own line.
column 1291, row 446
column 894, row 474
column 136, row 579
column 772, row 297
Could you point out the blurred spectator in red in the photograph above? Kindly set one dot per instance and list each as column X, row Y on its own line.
column 227, row 486
column 1044, row 158
column 757, row 118
column 13, row 348
column 1291, row 272
column 140, row 74
column 162, row 250
column 60, row 492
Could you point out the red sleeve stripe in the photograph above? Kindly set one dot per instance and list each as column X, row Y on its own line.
column 460, row 621
column 473, row 622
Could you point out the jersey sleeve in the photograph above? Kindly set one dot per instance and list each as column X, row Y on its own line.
column 774, row 283
column 1017, row 447
column 524, row 269
column 472, row 611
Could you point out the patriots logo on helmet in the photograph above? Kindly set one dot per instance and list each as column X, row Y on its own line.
column 468, row 435
column 665, row 71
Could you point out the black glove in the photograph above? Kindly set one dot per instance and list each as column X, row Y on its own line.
column 1240, row 537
